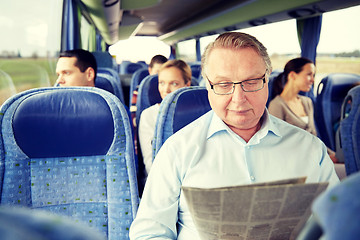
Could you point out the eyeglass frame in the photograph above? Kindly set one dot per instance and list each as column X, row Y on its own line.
column 263, row 78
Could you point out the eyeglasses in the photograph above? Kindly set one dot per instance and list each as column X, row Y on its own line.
column 250, row 85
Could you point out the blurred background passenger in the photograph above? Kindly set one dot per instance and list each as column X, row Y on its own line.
column 76, row 68
column 155, row 64
column 288, row 105
column 173, row 74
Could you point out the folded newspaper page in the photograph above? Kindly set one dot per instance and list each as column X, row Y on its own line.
column 274, row 210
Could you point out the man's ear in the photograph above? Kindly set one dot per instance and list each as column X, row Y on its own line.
column 90, row 74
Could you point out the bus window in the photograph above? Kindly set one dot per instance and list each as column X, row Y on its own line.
column 85, row 34
column 7, row 88
column 186, row 51
column 204, row 41
column 137, row 49
column 29, row 44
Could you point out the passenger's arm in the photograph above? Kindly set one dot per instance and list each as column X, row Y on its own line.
column 158, row 211
column 146, row 134
column 328, row 173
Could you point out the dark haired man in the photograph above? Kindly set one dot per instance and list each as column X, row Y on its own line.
column 76, row 68
column 156, row 63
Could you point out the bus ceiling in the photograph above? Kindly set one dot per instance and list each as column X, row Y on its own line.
column 177, row 20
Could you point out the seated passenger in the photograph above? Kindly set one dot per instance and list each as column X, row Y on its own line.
column 153, row 68
column 173, row 75
column 288, row 105
column 237, row 142
column 155, row 64
column 76, row 68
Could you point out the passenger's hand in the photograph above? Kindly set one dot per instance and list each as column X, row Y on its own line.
column 332, row 156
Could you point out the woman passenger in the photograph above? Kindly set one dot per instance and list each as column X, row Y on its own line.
column 288, row 105
column 173, row 74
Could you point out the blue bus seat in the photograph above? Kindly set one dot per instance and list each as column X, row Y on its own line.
column 195, row 81
column 148, row 95
column 136, row 79
column 337, row 210
column 330, row 95
column 272, row 76
column 178, row 109
column 111, row 72
column 195, row 69
column 70, row 151
column 350, row 130
column 29, row 224
column 127, row 67
column 143, row 63
column 104, row 59
column 108, row 79
column 131, row 68
column 106, row 82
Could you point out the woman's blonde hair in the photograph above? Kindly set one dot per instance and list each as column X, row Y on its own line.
column 181, row 65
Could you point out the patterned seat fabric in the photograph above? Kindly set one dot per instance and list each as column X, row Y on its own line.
column 350, row 130
column 70, row 151
column 28, row 224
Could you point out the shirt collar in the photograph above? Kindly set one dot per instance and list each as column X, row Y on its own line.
column 267, row 126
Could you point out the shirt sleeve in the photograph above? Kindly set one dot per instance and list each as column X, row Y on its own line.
column 146, row 135
column 328, row 173
column 157, row 215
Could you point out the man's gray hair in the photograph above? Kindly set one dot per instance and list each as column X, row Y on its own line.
column 237, row 40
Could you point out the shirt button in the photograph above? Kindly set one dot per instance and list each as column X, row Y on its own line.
column 252, row 178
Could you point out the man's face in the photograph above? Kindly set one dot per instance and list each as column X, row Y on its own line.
column 70, row 75
column 239, row 110
column 155, row 68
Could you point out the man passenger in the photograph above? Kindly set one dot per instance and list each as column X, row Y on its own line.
column 76, row 68
column 155, row 64
column 236, row 143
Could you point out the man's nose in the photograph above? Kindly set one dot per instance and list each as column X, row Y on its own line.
column 59, row 79
column 238, row 94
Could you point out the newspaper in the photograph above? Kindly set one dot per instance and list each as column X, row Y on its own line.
column 274, row 210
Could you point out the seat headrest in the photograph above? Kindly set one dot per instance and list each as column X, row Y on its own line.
column 153, row 93
column 191, row 104
column 133, row 67
column 63, row 123
column 337, row 85
column 103, row 59
column 139, row 75
column 102, row 82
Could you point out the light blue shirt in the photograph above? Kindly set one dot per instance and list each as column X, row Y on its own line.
column 207, row 154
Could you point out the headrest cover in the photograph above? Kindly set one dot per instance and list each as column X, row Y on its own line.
column 63, row 124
